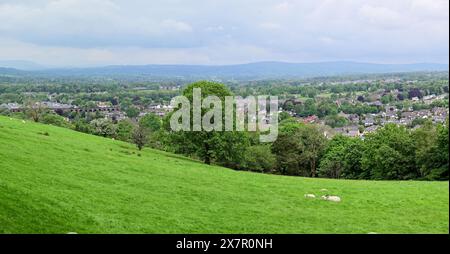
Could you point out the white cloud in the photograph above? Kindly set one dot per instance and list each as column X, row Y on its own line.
column 176, row 25
column 270, row 26
column 382, row 17
column 223, row 31
column 431, row 9
column 214, row 28
column 283, row 7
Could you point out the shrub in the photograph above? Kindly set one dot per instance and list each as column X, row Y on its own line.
column 259, row 158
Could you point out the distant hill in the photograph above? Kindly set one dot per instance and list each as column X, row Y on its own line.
column 11, row 71
column 239, row 71
column 21, row 65
column 55, row 180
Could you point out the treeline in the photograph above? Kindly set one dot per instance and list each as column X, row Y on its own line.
column 328, row 107
column 140, row 94
column 392, row 152
column 431, row 83
column 135, row 131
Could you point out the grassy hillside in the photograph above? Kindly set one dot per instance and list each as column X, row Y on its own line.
column 72, row 182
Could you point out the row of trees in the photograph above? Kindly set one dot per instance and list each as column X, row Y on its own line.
column 137, row 132
column 392, row 152
column 433, row 83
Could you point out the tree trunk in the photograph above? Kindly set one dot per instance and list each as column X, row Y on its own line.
column 313, row 168
column 207, row 158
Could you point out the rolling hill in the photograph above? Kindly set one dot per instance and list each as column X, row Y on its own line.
column 21, row 65
column 54, row 180
column 258, row 70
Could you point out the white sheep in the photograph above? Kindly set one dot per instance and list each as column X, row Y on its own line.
column 332, row 198
column 310, row 196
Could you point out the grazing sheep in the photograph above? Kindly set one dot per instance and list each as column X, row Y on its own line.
column 310, row 196
column 331, row 198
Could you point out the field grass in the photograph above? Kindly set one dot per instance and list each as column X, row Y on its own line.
column 54, row 180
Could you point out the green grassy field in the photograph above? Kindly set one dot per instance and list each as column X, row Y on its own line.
column 74, row 182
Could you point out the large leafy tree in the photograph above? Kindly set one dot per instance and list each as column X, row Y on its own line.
column 223, row 147
column 314, row 143
column 390, row 154
column 342, row 158
column 288, row 150
column 299, row 148
column 151, row 122
column 431, row 145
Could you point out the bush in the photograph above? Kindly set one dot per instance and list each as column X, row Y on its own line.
column 103, row 127
column 125, row 130
column 259, row 158
column 335, row 121
column 55, row 120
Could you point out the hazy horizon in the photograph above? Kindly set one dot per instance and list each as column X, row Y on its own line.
column 69, row 33
column 31, row 65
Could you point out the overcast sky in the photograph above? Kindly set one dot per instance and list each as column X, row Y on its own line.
column 100, row 32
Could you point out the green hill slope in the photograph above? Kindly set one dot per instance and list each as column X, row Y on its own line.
column 72, row 182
